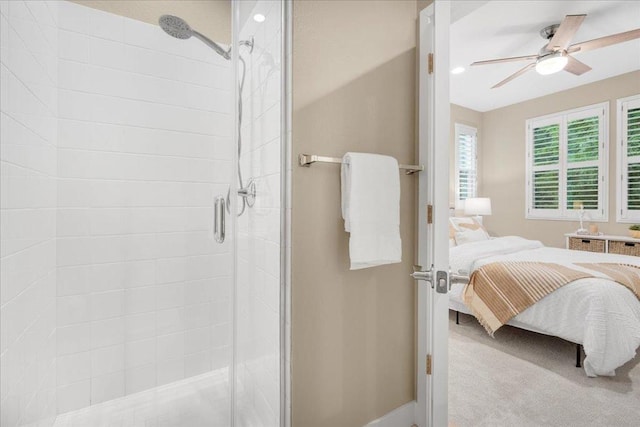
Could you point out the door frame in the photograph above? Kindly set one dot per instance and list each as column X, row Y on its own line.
column 433, row 188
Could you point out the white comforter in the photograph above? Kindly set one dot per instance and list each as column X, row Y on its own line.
column 598, row 313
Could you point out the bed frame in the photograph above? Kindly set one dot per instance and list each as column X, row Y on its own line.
column 579, row 349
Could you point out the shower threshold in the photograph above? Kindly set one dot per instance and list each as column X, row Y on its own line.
column 200, row 401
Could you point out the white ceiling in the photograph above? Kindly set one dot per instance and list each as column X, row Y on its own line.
column 494, row 29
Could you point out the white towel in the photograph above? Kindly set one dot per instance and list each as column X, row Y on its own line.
column 371, row 209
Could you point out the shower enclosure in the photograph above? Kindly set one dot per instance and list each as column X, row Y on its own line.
column 142, row 213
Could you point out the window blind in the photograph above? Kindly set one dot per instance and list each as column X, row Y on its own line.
column 583, row 141
column 629, row 159
column 566, row 164
column 546, row 165
column 466, row 163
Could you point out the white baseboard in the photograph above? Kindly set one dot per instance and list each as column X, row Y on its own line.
column 403, row 416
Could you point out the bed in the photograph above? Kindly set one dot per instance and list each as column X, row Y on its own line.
column 596, row 312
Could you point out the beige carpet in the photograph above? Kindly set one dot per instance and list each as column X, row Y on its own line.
column 520, row 378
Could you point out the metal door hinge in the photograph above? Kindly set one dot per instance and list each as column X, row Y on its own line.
column 429, row 214
column 428, row 364
column 430, row 65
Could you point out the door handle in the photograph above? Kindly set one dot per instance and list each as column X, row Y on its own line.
column 218, row 221
column 420, row 274
column 442, row 280
column 457, row 278
column 423, row 275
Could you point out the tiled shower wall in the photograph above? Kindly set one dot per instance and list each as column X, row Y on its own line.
column 115, row 140
column 259, row 236
column 28, row 49
column 144, row 147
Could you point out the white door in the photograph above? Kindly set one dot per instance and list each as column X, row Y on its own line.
column 433, row 245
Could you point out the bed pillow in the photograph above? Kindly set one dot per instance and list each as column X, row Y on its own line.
column 463, row 223
column 469, row 236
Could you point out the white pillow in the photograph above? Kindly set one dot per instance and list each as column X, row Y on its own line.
column 457, row 220
column 469, row 236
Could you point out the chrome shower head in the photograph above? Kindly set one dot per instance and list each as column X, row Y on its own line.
column 178, row 28
column 175, row 27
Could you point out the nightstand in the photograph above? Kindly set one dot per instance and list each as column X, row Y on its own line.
column 620, row 245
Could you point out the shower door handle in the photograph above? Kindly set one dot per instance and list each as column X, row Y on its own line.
column 218, row 222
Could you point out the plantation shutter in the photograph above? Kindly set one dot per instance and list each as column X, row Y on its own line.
column 566, row 162
column 630, row 159
column 466, row 164
column 583, row 158
column 545, row 180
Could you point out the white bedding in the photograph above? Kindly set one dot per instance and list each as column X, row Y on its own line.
column 598, row 313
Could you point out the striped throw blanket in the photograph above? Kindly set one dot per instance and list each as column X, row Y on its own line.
column 626, row 274
column 499, row 291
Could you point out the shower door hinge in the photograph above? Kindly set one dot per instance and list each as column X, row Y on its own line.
column 429, row 214
column 430, row 66
column 428, row 364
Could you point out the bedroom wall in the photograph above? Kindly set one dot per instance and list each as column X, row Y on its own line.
column 502, row 165
column 354, row 89
column 469, row 117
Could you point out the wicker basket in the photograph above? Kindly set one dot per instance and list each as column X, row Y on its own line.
column 624, row 248
column 586, row 244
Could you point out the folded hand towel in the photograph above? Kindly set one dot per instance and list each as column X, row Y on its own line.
column 371, row 209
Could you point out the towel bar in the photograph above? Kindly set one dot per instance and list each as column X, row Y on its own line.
column 307, row 159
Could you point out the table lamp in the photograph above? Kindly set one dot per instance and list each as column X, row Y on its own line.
column 477, row 207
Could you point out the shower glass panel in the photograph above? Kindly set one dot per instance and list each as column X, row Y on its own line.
column 259, row 298
column 118, row 305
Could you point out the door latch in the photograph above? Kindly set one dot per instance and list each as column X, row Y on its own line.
column 442, row 282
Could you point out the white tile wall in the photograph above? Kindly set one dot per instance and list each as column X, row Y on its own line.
column 258, row 272
column 144, row 146
column 28, row 108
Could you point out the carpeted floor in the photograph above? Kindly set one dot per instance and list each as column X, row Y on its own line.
column 521, row 378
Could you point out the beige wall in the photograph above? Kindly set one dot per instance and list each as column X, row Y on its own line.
column 469, row 117
column 503, row 158
column 209, row 17
column 354, row 89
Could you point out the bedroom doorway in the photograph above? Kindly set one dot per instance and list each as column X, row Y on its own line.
column 572, row 376
column 433, row 256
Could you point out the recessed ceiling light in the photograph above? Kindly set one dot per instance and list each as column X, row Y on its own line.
column 457, row 70
column 258, row 17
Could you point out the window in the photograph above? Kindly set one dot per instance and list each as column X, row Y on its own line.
column 466, row 150
column 628, row 196
column 567, row 164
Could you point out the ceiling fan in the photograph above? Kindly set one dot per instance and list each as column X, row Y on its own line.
column 556, row 54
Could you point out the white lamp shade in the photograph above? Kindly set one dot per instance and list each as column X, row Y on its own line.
column 477, row 206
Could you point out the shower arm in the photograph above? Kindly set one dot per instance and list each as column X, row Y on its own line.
column 226, row 54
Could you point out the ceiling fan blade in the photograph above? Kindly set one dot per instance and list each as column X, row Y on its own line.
column 516, row 74
column 565, row 32
column 576, row 67
column 512, row 59
column 605, row 41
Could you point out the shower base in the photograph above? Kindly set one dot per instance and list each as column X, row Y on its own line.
column 201, row 401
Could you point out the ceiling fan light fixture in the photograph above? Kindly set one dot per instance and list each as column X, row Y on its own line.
column 552, row 63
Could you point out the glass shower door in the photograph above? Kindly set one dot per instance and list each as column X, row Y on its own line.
column 258, row 375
